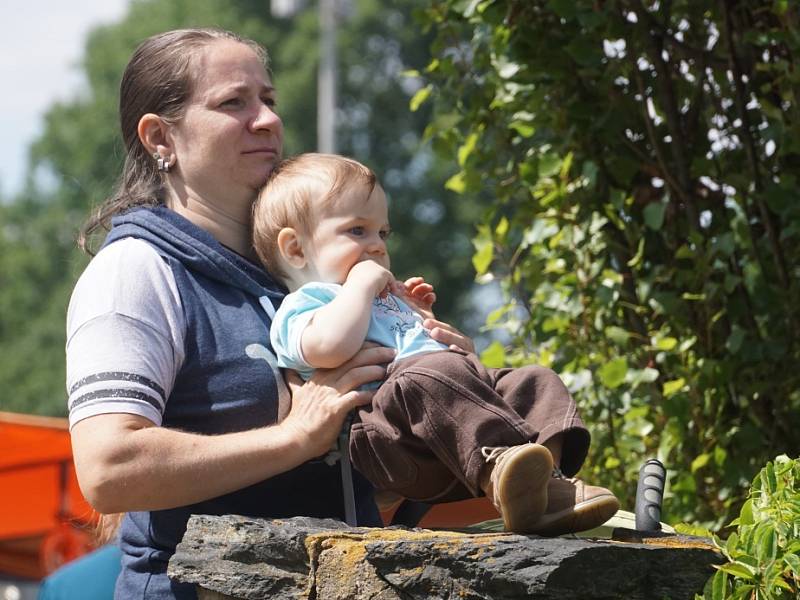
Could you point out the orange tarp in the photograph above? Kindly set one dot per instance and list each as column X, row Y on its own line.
column 44, row 519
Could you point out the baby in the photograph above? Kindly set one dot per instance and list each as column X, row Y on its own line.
column 441, row 426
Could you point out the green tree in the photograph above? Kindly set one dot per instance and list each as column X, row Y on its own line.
column 638, row 161
column 35, row 248
column 80, row 153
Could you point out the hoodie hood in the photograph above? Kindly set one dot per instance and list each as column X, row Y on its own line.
column 197, row 250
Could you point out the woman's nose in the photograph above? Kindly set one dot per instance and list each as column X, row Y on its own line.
column 266, row 118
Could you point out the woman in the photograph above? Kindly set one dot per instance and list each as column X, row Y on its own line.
column 171, row 309
column 176, row 406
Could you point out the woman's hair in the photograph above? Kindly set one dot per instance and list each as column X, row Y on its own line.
column 294, row 194
column 158, row 79
column 107, row 528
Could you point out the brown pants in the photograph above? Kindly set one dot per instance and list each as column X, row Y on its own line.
column 422, row 435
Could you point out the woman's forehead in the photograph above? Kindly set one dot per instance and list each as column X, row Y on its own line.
column 229, row 64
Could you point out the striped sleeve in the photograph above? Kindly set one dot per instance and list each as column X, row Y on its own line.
column 124, row 335
column 116, row 391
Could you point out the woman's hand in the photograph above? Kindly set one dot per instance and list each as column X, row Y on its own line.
column 320, row 405
column 449, row 335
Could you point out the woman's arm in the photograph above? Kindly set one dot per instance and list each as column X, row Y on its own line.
column 126, row 463
column 338, row 329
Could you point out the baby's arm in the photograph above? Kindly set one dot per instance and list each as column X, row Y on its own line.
column 338, row 329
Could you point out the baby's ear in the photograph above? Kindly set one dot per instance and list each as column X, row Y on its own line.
column 291, row 248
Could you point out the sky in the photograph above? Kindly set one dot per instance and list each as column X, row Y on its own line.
column 40, row 53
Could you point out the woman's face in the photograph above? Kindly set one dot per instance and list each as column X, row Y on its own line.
column 230, row 137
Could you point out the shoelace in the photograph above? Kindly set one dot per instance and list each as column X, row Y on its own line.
column 492, row 453
column 559, row 474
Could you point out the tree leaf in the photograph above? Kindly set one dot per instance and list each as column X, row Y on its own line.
column 612, row 374
column 673, row 387
column 735, row 339
column 719, row 585
column 524, row 129
column 738, row 570
column 700, row 461
column 467, row 148
column 793, row 562
column 637, row 258
column 617, row 334
column 638, row 376
column 666, row 343
column 654, row 215
column 457, row 183
column 494, row 356
column 419, row 97
column 549, row 165
column 484, row 252
column 746, row 514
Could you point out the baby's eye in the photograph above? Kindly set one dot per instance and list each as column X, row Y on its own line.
column 357, row 231
column 384, row 233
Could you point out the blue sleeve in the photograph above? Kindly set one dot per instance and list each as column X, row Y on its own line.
column 291, row 319
column 90, row 577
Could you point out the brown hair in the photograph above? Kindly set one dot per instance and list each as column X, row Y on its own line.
column 295, row 191
column 158, row 79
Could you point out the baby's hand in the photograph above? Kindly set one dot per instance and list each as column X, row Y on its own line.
column 372, row 277
column 420, row 295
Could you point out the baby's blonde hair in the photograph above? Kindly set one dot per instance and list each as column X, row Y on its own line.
column 294, row 194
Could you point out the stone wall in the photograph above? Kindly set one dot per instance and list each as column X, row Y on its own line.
column 302, row 558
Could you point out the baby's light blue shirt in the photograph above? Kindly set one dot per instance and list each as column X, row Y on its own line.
column 393, row 324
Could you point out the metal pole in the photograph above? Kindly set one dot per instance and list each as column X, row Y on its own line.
column 326, row 78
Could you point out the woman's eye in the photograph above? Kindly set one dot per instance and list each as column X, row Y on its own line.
column 271, row 102
column 232, row 102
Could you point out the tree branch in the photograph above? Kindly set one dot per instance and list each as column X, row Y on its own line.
column 674, row 185
column 740, row 98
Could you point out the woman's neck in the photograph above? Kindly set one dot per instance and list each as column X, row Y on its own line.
column 230, row 225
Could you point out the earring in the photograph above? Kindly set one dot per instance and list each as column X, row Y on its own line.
column 163, row 163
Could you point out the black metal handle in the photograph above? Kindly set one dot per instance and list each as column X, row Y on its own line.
column 649, row 494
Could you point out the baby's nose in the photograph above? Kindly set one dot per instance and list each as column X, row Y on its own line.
column 377, row 244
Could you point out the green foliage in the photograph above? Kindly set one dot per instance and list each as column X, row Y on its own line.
column 35, row 281
column 638, row 162
column 81, row 153
column 764, row 552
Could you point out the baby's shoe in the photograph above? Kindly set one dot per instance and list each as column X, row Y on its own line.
column 573, row 506
column 518, row 484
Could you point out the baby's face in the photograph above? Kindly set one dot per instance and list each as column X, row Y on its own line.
column 352, row 229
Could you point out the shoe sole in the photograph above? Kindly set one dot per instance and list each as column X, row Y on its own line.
column 581, row 517
column 521, row 489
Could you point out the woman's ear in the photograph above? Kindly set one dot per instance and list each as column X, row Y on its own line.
column 291, row 248
column 155, row 136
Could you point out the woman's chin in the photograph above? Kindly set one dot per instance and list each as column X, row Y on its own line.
column 258, row 179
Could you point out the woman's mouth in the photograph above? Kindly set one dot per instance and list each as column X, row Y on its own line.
column 265, row 151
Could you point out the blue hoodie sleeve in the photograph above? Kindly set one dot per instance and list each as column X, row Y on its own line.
column 292, row 318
